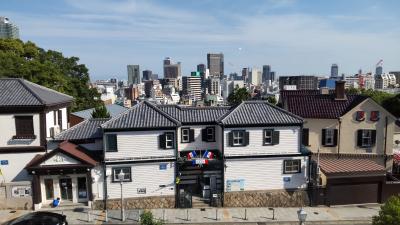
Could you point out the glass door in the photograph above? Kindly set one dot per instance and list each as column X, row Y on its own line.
column 66, row 189
column 48, row 183
column 82, row 188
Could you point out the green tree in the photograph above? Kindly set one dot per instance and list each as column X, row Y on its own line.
column 238, row 95
column 48, row 68
column 389, row 213
column 100, row 112
column 272, row 100
column 393, row 105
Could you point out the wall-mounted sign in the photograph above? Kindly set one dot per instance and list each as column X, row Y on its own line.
column 286, row 179
column 163, row 166
column 141, row 191
column 235, row 185
column 3, row 162
column 21, row 191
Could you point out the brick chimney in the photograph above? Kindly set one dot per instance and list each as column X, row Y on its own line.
column 340, row 91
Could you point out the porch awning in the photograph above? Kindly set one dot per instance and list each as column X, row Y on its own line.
column 350, row 166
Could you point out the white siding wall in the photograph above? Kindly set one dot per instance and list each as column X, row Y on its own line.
column 288, row 141
column 198, row 144
column 7, row 131
column 265, row 174
column 14, row 171
column 139, row 144
column 144, row 175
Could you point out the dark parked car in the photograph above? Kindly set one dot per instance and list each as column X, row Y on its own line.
column 40, row 218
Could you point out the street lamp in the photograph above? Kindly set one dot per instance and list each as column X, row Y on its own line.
column 302, row 214
column 121, row 176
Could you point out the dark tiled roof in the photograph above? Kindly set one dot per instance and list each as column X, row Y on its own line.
column 142, row 115
column 312, row 104
column 20, row 92
column 349, row 165
column 259, row 113
column 113, row 109
column 64, row 147
column 88, row 129
column 187, row 115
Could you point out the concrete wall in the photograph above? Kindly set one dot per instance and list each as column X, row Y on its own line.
column 8, row 200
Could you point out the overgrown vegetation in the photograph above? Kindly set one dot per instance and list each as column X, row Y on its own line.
column 147, row 218
column 48, row 68
column 389, row 213
column 238, row 96
column 100, row 112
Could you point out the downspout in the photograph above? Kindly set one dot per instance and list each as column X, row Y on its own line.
column 384, row 147
column 105, row 175
column 223, row 164
column 177, row 154
column 338, row 140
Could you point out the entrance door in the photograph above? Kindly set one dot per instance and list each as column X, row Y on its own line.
column 48, row 184
column 66, row 189
column 82, row 189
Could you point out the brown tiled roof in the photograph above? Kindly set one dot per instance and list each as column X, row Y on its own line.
column 67, row 148
column 331, row 165
column 312, row 104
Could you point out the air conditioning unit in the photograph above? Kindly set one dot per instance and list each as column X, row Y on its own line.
column 54, row 131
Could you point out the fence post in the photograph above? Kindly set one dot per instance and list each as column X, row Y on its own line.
column 245, row 213
column 187, row 214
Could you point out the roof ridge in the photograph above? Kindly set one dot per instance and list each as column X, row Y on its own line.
column 285, row 111
column 172, row 119
column 223, row 117
column 42, row 87
column 21, row 81
column 121, row 114
column 71, row 129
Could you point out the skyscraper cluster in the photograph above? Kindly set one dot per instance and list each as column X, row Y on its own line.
column 8, row 29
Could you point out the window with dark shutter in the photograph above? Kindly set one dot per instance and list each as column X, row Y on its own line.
column 24, row 127
column 161, row 140
column 111, row 143
column 329, row 137
column 305, row 136
column 210, row 133
column 191, row 135
column 60, row 119
column 267, row 137
column 169, row 140
column 246, row 138
column 239, row 138
column 185, row 135
column 366, row 138
column 275, row 137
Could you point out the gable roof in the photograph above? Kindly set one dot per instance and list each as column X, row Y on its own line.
column 20, row 92
column 113, row 109
column 312, row 104
column 67, row 148
column 141, row 116
column 259, row 113
column 88, row 129
column 195, row 115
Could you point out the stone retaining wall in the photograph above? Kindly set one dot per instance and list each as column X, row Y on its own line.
column 138, row 203
column 275, row 198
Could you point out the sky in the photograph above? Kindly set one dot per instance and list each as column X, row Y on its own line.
column 294, row 37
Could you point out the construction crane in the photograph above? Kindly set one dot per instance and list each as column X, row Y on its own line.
column 380, row 63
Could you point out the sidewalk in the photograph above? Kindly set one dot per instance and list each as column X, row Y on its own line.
column 345, row 214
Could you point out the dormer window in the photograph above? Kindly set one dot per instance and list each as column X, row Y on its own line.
column 374, row 116
column 360, row 116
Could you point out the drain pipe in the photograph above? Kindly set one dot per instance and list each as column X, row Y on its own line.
column 384, row 147
column 338, row 137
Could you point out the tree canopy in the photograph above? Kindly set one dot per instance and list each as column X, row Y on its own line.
column 48, row 68
column 238, row 95
column 389, row 213
column 100, row 112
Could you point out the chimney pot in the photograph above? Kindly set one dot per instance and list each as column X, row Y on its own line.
column 340, row 91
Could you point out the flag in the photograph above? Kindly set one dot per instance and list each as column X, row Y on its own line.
column 208, row 155
column 191, row 155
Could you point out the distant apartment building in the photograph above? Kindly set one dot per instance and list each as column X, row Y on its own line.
column 300, row 82
column 133, row 74
column 147, row 75
column 385, row 81
column 191, row 86
column 132, row 92
column 245, row 74
column 214, row 86
column 228, row 86
column 8, row 29
column 397, row 75
column 171, row 70
column 255, row 77
column 352, row 82
column 215, row 63
column 334, row 71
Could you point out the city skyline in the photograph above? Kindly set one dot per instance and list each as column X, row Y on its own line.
column 293, row 37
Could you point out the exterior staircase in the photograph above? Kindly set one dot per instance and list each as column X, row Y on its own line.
column 198, row 202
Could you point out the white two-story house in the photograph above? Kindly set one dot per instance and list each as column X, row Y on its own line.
column 29, row 115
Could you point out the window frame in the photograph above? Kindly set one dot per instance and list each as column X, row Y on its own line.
column 20, row 133
column 270, row 136
column 369, row 138
column 107, row 149
column 331, row 135
column 186, row 129
column 239, row 137
column 171, row 134
column 115, row 175
column 285, row 171
column 212, row 139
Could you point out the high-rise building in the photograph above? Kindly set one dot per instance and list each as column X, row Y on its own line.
column 255, row 77
column 334, row 71
column 266, row 73
column 191, row 87
column 201, row 68
column 133, row 74
column 272, row 76
column 245, row 74
column 8, row 29
column 215, row 63
column 299, row 82
column 147, row 75
column 171, row 70
column 214, row 86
